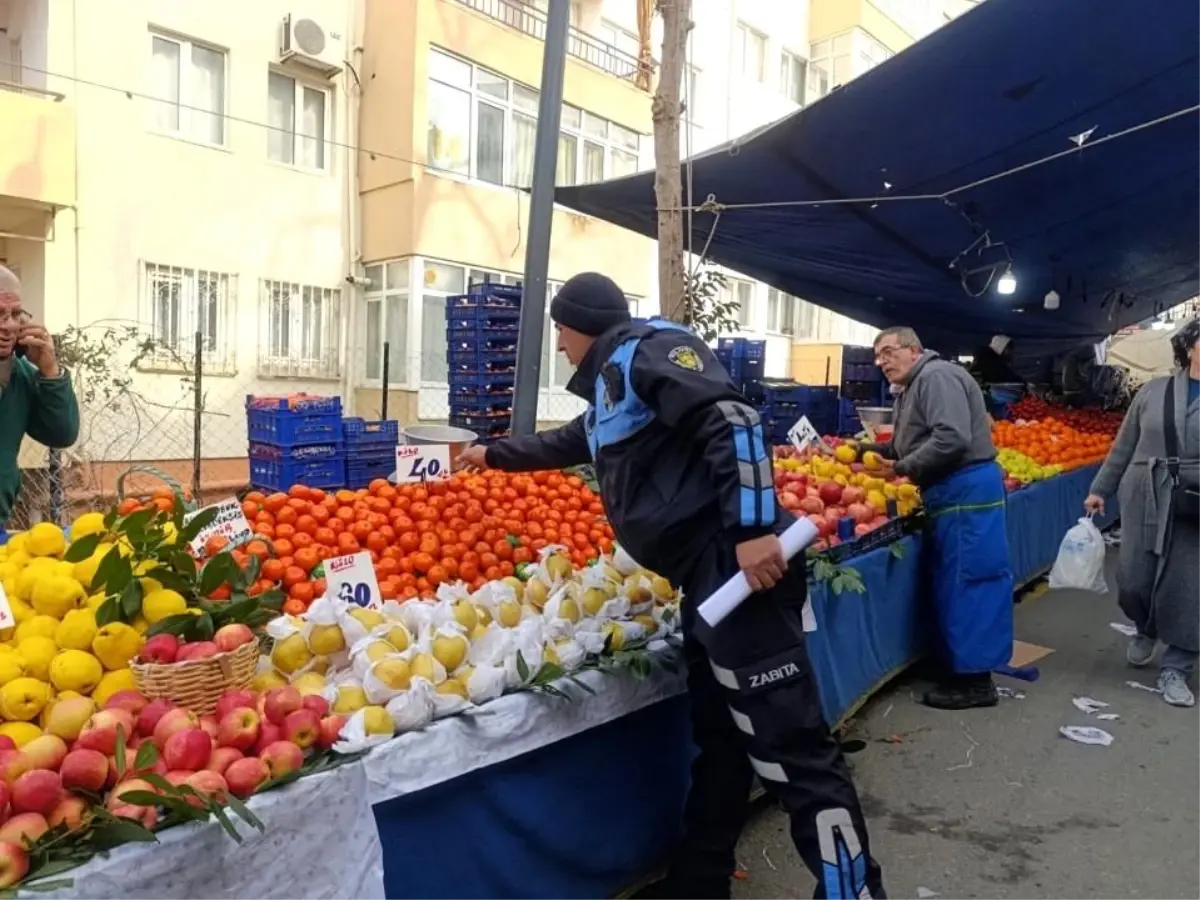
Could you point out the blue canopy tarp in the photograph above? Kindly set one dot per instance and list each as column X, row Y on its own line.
column 1113, row 228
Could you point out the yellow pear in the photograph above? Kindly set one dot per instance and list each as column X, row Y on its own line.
column 368, row 618
column 422, row 667
column 326, row 639
column 537, row 593
column 350, row 699
column 452, row 686
column 485, row 617
column 376, row 720
column 568, row 609
column 393, row 673
column 450, row 650
column 593, row 600
column 377, row 650
column 558, row 567
column 662, row 588
column 464, row 614
column 516, row 584
column 508, row 613
column 399, row 637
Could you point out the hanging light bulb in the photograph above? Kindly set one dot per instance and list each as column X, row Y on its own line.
column 1052, row 299
column 1007, row 283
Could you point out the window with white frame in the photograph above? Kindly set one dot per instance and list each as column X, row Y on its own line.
column 781, row 312
column 872, row 52
column 484, row 125
column 178, row 303
column 386, row 324
column 742, row 292
column 301, row 330
column 806, row 320
column 831, row 62
column 618, row 38
column 187, row 80
column 793, row 76
column 297, row 122
column 750, row 47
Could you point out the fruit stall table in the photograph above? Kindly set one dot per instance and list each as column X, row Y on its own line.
column 534, row 795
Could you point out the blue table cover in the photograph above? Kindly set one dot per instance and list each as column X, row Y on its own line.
column 587, row 816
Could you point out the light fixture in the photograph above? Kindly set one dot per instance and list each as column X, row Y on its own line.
column 1007, row 283
column 1052, row 299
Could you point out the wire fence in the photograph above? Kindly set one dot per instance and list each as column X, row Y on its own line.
column 154, row 411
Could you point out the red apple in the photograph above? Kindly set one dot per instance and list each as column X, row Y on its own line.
column 187, row 749
column 860, row 530
column 209, row 725
column 830, row 492
column 317, row 704
column 230, row 637
column 331, row 730
column 235, row 699
column 280, row 701
column 100, row 732
column 861, row 513
column 24, row 826
column 175, row 720
column 268, row 734
column 788, row 500
column 7, row 743
column 46, row 751
column 154, row 711
column 812, row 505
column 146, row 816
column 239, row 729
column 131, row 701
column 14, row 863
column 162, row 649
column 116, row 795
column 74, row 812
column 853, row 494
column 282, row 758
column 84, row 770
column 38, row 790
column 209, row 784
column 197, row 650
column 302, row 728
column 245, row 775
column 222, row 758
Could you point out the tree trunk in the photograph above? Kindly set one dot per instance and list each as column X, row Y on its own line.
column 668, row 191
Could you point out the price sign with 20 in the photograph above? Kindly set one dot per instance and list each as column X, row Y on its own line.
column 422, row 462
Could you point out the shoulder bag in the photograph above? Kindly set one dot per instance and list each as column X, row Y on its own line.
column 1185, row 502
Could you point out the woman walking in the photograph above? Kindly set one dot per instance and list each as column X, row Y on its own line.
column 1153, row 467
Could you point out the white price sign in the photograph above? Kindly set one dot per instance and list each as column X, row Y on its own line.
column 230, row 522
column 351, row 579
column 422, row 462
column 803, row 435
column 7, row 619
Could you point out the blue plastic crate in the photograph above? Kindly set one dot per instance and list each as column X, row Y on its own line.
column 740, row 348
column 468, row 377
column 359, row 475
column 855, row 355
column 481, row 358
column 279, row 475
column 302, row 404
column 486, row 427
column 287, row 428
column 483, row 335
column 744, row 369
column 295, row 453
column 359, row 432
column 371, row 453
column 460, row 401
column 490, row 292
column 460, row 317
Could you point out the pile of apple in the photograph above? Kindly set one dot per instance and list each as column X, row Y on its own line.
column 165, row 649
column 250, row 739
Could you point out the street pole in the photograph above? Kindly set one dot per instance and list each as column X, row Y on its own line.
column 668, row 190
column 541, row 213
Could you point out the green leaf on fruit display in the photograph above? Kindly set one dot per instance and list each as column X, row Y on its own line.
column 219, row 814
column 110, row 519
column 170, row 579
column 114, row 831
column 582, row 685
column 183, row 562
column 253, row 567
column 547, row 673
column 243, row 812
column 131, row 600
column 119, row 753
column 522, row 667
column 153, row 778
column 114, row 572
column 221, row 569
column 147, row 756
column 142, row 798
column 109, row 612
column 203, row 628
column 897, row 549
column 513, row 540
column 823, row 570
column 81, row 549
column 235, row 611
column 171, row 625
column 45, row 887
column 272, row 599
column 202, row 520
column 135, row 524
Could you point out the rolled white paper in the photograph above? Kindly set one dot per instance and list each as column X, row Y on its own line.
column 730, row 595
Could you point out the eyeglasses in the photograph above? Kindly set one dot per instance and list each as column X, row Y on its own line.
column 888, row 352
column 16, row 316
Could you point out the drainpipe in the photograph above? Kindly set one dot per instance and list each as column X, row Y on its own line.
column 351, row 205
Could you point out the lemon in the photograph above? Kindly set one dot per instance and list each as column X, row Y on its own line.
column 21, row 733
column 74, row 670
column 324, row 640
column 350, row 698
column 76, row 631
column 37, row 652
column 111, row 683
column 23, row 698
column 291, row 654
column 85, row 570
column 264, row 681
column 45, row 539
column 116, row 644
column 377, row 721
column 88, row 523
column 11, row 666
column 57, row 595
column 157, row 605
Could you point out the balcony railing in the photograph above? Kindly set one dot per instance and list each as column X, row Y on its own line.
column 17, row 88
column 532, row 21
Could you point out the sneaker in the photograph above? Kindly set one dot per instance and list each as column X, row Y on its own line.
column 1174, row 688
column 964, row 692
column 1140, row 650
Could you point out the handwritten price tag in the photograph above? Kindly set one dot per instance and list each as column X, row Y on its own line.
column 803, row 435
column 351, row 579
column 7, row 620
column 230, row 523
column 422, row 462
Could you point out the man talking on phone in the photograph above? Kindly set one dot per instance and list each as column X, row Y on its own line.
column 36, row 397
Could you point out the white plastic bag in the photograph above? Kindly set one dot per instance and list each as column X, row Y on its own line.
column 1080, row 563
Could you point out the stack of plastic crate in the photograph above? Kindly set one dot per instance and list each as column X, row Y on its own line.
column 862, row 384
column 370, row 449
column 481, row 354
column 295, row 440
column 744, row 360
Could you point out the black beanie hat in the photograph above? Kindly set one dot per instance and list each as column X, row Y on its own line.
column 589, row 303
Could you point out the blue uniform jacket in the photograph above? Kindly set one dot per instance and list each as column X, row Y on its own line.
column 678, row 452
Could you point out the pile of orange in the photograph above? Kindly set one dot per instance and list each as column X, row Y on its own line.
column 472, row 528
column 1050, row 442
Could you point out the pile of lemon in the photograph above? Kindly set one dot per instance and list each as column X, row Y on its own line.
column 55, row 649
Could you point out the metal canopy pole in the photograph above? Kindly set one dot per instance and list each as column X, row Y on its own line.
column 541, row 212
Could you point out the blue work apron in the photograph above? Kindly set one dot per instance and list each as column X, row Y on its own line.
column 972, row 581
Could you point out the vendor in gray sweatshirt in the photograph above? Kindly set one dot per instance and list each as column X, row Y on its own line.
column 942, row 441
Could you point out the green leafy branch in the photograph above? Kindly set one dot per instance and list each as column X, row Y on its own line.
column 839, row 578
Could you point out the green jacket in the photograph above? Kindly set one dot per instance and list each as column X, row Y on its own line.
column 43, row 408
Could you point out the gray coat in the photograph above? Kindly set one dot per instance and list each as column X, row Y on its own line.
column 1159, row 567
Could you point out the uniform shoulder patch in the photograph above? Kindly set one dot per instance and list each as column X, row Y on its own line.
column 686, row 358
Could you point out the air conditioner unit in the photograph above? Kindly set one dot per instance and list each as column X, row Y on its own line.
column 307, row 43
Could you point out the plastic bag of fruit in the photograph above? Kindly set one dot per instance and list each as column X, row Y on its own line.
column 413, row 708
column 1080, row 562
column 525, row 654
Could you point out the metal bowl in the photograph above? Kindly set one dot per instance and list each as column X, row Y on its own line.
column 459, row 439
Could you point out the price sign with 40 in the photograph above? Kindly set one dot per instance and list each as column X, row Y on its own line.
column 416, row 463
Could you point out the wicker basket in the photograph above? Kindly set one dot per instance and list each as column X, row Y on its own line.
column 198, row 683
